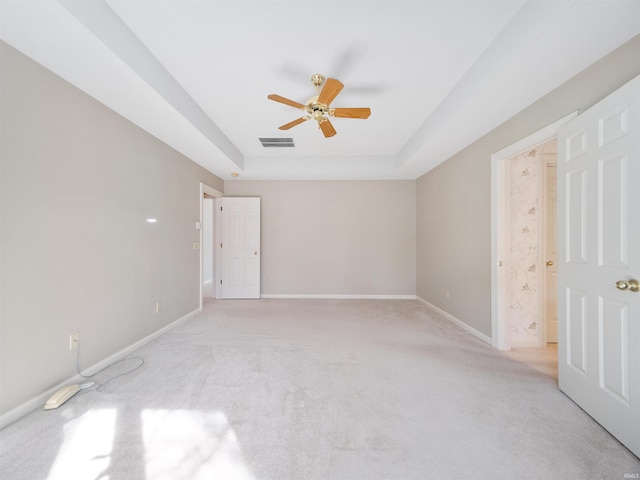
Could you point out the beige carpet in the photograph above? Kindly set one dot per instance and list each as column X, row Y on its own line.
column 545, row 360
column 316, row 389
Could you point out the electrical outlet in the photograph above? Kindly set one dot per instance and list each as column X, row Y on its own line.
column 74, row 340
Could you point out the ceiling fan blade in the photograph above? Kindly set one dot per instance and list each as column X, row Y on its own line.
column 297, row 121
column 286, row 101
column 327, row 128
column 350, row 112
column 331, row 89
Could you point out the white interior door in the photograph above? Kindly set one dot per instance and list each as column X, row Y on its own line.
column 240, row 247
column 599, row 245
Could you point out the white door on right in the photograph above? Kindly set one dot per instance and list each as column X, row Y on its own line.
column 599, row 262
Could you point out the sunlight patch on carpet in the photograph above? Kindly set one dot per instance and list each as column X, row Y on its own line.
column 191, row 445
column 87, row 446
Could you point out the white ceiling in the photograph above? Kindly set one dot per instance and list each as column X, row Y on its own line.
column 437, row 74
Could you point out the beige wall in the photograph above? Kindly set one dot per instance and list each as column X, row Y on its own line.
column 454, row 199
column 335, row 237
column 77, row 183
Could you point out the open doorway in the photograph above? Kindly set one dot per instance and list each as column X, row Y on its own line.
column 209, row 231
column 520, row 304
column 531, row 303
column 208, row 242
column 530, row 290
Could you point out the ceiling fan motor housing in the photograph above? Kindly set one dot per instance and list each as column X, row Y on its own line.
column 315, row 109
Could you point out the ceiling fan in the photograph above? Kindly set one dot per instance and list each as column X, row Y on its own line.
column 318, row 107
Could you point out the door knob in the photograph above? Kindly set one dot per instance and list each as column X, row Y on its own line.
column 549, row 263
column 621, row 285
column 632, row 285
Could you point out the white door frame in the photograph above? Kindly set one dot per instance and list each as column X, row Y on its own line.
column 499, row 225
column 208, row 190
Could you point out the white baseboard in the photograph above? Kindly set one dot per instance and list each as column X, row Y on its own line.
column 457, row 321
column 338, row 297
column 39, row 400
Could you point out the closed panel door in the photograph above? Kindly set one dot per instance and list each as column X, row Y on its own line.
column 240, row 247
column 599, row 263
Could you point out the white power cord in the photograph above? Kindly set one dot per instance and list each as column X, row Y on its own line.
column 100, row 386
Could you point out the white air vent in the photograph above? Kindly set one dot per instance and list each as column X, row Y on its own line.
column 277, row 142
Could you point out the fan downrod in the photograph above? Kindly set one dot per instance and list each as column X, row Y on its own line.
column 313, row 108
